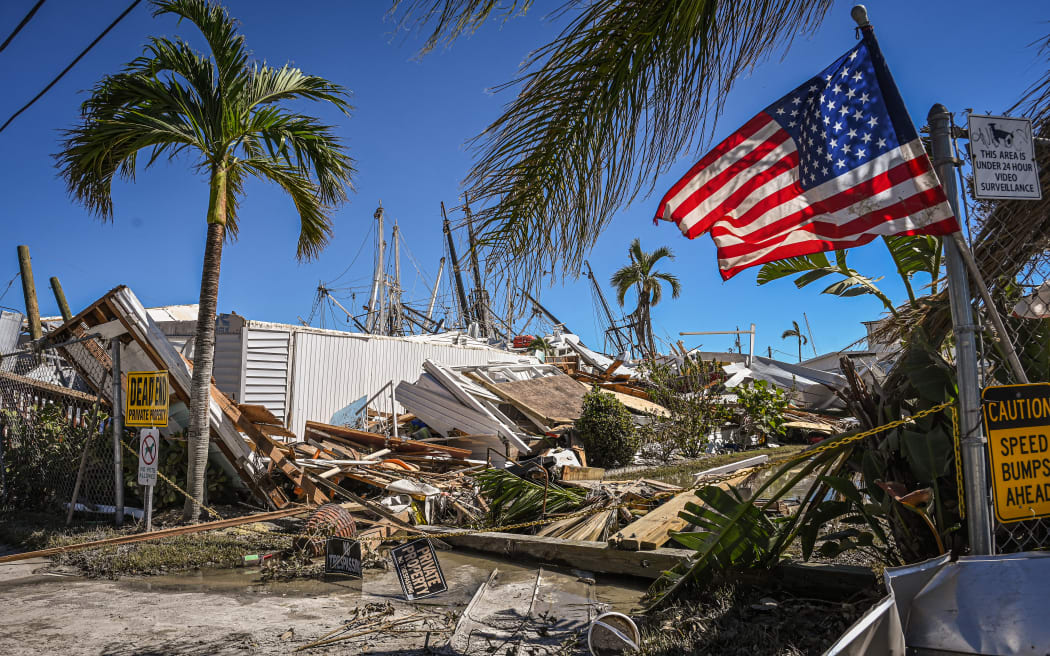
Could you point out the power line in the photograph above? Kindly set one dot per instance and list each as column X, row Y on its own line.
column 71, row 65
column 21, row 25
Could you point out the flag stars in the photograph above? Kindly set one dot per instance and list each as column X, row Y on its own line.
column 851, row 93
column 864, row 98
column 843, row 110
column 872, row 122
column 837, row 126
column 831, row 104
column 812, row 88
column 845, row 72
column 866, row 137
column 881, row 143
column 836, row 89
column 824, row 170
column 780, row 111
column 840, row 163
column 853, row 55
column 852, row 133
column 827, row 121
column 792, row 124
column 860, row 152
column 857, row 77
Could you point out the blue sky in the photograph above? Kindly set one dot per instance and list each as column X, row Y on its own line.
column 407, row 135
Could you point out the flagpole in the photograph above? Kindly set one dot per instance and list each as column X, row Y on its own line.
column 973, row 441
column 975, row 478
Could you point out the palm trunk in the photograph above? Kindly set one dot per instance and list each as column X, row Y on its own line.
column 204, row 349
column 800, row 349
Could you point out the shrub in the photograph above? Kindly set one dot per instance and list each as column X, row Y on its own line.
column 606, row 430
column 763, row 408
column 693, row 404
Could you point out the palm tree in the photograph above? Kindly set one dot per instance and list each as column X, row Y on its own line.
column 627, row 88
column 224, row 111
column 641, row 274
column 797, row 333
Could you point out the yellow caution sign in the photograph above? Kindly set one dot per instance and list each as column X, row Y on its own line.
column 146, row 399
column 1017, row 421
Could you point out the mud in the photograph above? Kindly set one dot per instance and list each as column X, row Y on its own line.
column 234, row 612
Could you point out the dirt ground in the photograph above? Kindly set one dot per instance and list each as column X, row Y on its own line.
column 232, row 612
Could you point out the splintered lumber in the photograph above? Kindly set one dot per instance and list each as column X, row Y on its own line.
column 271, row 449
column 651, row 530
column 377, row 441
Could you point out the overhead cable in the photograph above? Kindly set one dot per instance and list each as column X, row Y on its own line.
column 71, row 65
column 22, row 24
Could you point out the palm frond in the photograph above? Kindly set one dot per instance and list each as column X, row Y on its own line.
column 625, row 90
column 220, row 31
column 672, row 280
column 452, row 18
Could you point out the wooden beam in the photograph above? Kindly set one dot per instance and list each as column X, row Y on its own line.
column 163, row 533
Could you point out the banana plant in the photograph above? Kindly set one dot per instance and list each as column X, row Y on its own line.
column 911, row 255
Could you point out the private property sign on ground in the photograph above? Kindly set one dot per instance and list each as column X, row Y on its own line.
column 1003, row 158
column 146, row 399
column 1017, row 420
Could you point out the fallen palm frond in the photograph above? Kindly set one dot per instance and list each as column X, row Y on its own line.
column 735, row 533
column 514, row 499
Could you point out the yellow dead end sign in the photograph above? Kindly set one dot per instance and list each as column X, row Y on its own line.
column 1017, row 420
column 146, row 399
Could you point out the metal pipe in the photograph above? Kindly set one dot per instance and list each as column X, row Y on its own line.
column 25, row 266
column 370, row 322
column 480, row 293
column 117, row 399
column 434, row 292
column 979, row 524
column 60, row 296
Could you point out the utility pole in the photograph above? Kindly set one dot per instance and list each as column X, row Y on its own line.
column 621, row 344
column 979, row 524
column 370, row 322
column 434, row 292
column 60, row 297
column 384, row 287
column 25, row 265
column 464, row 311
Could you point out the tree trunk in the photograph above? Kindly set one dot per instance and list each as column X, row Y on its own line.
column 204, row 349
column 800, row 348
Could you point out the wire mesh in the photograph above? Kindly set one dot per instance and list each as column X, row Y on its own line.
column 1011, row 245
column 51, row 422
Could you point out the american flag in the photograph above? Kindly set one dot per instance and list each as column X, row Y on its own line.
column 833, row 164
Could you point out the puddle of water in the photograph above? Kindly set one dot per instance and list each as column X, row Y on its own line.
column 464, row 572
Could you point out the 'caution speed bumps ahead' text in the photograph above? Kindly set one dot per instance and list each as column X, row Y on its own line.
column 1017, row 420
column 146, row 399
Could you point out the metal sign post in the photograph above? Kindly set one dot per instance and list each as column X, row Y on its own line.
column 975, row 481
column 149, row 460
column 118, row 432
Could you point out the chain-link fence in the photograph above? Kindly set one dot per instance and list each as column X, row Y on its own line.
column 53, row 433
column 1010, row 240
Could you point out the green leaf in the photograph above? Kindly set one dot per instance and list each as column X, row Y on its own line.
column 930, row 455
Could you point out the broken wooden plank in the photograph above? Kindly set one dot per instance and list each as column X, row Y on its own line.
column 377, row 441
column 571, row 473
column 651, row 530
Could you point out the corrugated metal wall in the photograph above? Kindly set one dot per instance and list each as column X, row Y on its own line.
column 332, row 371
column 228, row 349
column 265, row 361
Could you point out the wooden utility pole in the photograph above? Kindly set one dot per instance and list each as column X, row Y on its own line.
column 60, row 296
column 29, row 292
